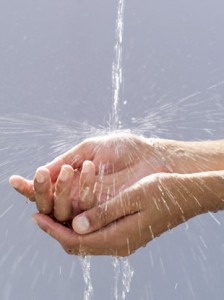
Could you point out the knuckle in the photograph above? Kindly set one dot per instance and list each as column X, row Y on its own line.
column 40, row 188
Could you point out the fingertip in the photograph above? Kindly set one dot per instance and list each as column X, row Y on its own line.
column 81, row 225
column 14, row 181
column 18, row 182
column 88, row 166
column 65, row 173
column 43, row 169
column 42, row 174
column 68, row 167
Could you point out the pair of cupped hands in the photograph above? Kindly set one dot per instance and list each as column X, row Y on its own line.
column 106, row 196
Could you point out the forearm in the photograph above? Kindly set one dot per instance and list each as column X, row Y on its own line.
column 194, row 194
column 190, row 157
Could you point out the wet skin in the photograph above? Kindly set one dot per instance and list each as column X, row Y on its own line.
column 121, row 169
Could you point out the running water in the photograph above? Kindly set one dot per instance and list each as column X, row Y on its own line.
column 123, row 276
column 117, row 75
column 122, row 267
column 86, row 266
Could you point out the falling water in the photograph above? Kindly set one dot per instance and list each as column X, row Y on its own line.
column 117, row 75
column 123, row 274
column 86, row 266
column 122, row 267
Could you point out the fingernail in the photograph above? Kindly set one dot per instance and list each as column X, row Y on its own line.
column 14, row 183
column 63, row 174
column 85, row 166
column 81, row 224
column 40, row 177
column 85, row 193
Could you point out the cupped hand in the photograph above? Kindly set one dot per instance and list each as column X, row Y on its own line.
column 107, row 165
column 130, row 220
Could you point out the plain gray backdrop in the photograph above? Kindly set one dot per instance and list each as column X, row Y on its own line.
column 55, row 84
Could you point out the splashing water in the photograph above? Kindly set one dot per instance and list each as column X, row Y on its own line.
column 185, row 111
column 47, row 136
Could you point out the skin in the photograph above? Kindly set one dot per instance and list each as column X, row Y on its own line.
column 74, row 183
column 113, row 162
column 126, row 158
column 142, row 212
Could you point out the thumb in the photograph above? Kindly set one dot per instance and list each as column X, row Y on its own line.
column 127, row 203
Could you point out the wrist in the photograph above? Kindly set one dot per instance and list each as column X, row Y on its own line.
column 183, row 196
column 199, row 193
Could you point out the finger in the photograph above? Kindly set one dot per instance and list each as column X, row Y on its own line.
column 54, row 167
column 119, row 239
column 23, row 186
column 74, row 157
column 63, row 209
column 127, row 203
column 43, row 190
column 87, row 181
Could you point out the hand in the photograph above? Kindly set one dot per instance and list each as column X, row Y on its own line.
column 140, row 213
column 114, row 163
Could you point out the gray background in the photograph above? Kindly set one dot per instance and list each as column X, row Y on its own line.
column 55, row 88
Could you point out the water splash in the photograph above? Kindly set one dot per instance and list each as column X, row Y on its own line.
column 168, row 110
column 16, row 130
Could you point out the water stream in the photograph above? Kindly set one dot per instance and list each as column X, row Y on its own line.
column 123, row 271
column 117, row 74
